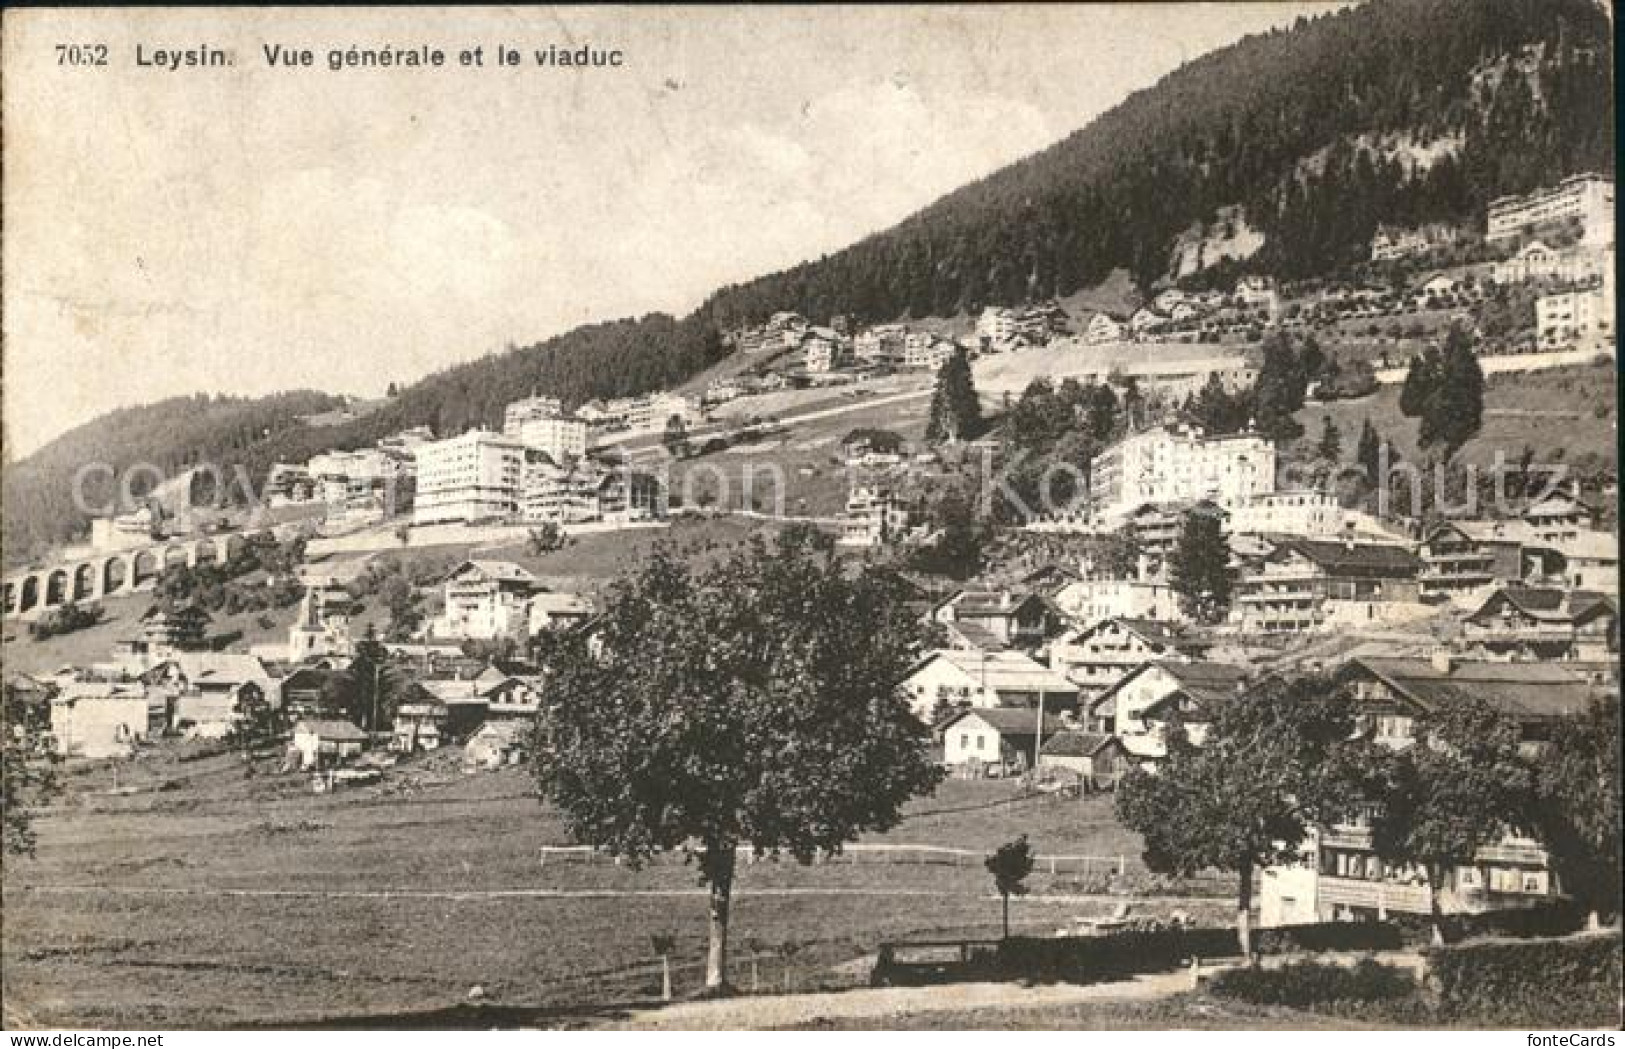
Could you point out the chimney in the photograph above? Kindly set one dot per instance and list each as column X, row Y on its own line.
column 1442, row 661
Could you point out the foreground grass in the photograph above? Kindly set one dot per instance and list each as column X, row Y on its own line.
column 153, row 909
column 1181, row 1012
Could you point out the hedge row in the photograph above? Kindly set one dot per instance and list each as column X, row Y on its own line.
column 1564, row 982
column 1084, row 959
column 1557, row 918
column 1309, row 984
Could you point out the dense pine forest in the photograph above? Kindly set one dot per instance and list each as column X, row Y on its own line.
column 1312, row 133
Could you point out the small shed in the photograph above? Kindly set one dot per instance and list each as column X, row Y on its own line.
column 1086, row 753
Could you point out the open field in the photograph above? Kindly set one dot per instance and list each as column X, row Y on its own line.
column 1567, row 409
column 207, row 898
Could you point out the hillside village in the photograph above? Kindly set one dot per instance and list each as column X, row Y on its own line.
column 1064, row 659
column 1111, row 520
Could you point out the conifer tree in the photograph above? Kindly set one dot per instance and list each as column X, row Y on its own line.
column 956, row 413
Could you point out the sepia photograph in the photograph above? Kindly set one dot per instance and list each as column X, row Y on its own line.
column 907, row 518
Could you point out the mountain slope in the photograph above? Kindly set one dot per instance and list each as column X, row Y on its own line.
column 1281, row 132
column 1235, row 128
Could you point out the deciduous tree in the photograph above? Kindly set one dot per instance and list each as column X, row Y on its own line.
column 1578, row 780
column 1010, row 864
column 752, row 702
column 1274, row 762
column 1459, row 787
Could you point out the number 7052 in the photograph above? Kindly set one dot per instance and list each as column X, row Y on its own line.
column 81, row 55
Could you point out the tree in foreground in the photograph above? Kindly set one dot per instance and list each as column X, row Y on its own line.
column 27, row 778
column 956, row 412
column 1199, row 568
column 1275, row 761
column 752, row 703
column 1010, row 864
column 1577, row 780
column 1459, row 787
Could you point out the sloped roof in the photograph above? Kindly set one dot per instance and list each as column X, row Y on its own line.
column 1547, row 603
column 1075, row 743
column 561, row 604
column 1367, row 559
column 1003, row 671
column 501, row 571
column 1201, row 679
column 340, row 730
column 1009, row 721
column 1526, row 691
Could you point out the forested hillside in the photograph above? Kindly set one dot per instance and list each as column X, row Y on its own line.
column 1498, row 96
column 1239, row 126
column 172, row 435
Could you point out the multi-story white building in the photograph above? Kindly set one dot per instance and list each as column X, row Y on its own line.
column 486, row 599
column 473, row 477
column 559, row 493
column 997, row 323
column 1577, row 318
column 1165, row 466
column 928, row 351
column 560, row 438
column 654, row 411
column 537, row 406
column 1588, row 198
column 873, row 516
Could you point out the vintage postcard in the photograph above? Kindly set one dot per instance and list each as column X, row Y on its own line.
column 893, row 518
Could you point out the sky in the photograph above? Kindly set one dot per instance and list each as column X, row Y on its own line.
column 250, row 229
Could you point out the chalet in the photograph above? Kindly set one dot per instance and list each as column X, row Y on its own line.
column 304, row 688
column 1097, row 657
column 996, row 619
column 1122, row 710
column 1000, row 739
column 1103, row 328
column 1340, row 875
column 1309, row 584
column 1392, row 692
column 1093, row 754
column 1559, row 516
column 485, row 600
column 205, row 690
column 1461, row 557
column 322, row 743
column 1544, row 623
column 979, row 679
column 165, row 630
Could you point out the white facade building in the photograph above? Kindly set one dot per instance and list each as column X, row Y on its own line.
column 560, row 438
column 517, row 414
column 1164, row 466
column 1589, row 198
column 473, row 477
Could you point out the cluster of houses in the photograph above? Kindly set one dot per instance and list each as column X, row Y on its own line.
column 167, row 681
column 1078, row 674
